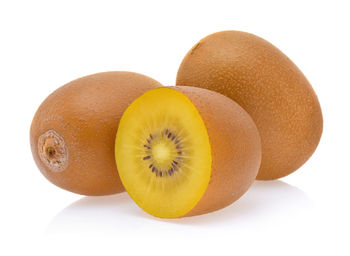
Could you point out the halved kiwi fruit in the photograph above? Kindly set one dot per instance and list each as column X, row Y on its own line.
column 183, row 151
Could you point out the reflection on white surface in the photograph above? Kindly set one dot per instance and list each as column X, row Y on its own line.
column 265, row 202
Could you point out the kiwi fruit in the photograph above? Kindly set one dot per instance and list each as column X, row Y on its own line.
column 184, row 151
column 73, row 132
column 269, row 86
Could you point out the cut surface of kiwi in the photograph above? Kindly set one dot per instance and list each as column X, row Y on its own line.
column 163, row 150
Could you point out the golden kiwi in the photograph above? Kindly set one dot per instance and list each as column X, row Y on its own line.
column 73, row 132
column 269, row 86
column 185, row 151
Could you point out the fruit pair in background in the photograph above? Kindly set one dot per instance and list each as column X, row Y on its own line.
column 241, row 110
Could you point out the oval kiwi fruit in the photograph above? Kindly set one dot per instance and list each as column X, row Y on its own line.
column 73, row 132
column 269, row 86
column 184, row 151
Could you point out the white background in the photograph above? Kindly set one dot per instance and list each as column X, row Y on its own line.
column 45, row 44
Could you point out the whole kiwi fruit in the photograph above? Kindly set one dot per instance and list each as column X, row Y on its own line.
column 73, row 131
column 269, row 86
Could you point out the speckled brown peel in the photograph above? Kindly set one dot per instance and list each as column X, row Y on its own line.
column 73, row 131
column 269, row 86
column 235, row 146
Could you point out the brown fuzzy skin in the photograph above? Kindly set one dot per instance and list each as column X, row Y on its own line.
column 86, row 113
column 235, row 148
column 269, row 86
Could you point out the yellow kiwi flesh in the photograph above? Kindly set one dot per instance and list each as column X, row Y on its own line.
column 163, row 142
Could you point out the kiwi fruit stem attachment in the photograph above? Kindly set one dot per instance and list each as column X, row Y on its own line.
column 53, row 151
